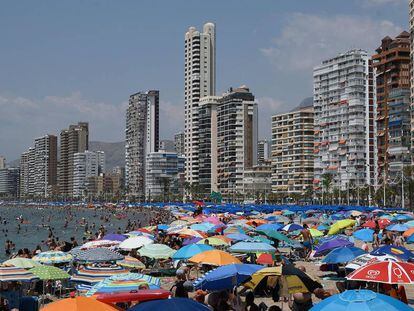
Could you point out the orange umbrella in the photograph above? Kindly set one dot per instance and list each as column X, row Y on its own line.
column 408, row 233
column 215, row 258
column 78, row 304
column 257, row 222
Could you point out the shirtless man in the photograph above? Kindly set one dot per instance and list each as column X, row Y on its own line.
column 307, row 240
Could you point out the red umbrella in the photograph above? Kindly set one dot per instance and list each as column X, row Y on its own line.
column 382, row 223
column 369, row 224
column 389, row 272
column 265, row 259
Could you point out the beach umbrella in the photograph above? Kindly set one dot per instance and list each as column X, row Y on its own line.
column 277, row 236
column 100, row 243
column 256, row 222
column 162, row 227
column 388, row 272
column 114, row 237
column 288, row 213
column 397, row 251
column 131, row 262
column 226, row 277
column 356, row 213
column 172, row 304
column 188, row 232
column 20, row 262
column 408, row 233
column 214, row 220
column 252, row 247
column 397, row 227
column 340, row 225
column 92, row 275
column 8, row 274
column 123, row 283
column 52, row 257
column 274, row 227
column 178, row 222
column 204, row 227
column 325, row 247
column 366, row 235
column 366, row 259
column 234, row 229
column 156, row 251
column 410, row 223
column 322, row 227
column 342, row 255
column 402, row 217
column 292, row 227
column 216, row 241
column 315, row 233
column 311, row 220
column 296, row 280
column 214, row 258
column 363, row 299
column 49, row 273
column 78, row 303
column 259, row 238
column 265, row 259
column 98, row 255
column 191, row 241
column 237, row 236
column 135, row 242
column 190, row 250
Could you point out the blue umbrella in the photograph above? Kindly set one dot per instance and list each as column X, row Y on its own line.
column 190, row 250
column 292, row 227
column 397, row 251
column 322, row 227
column 343, row 254
column 410, row 239
column 274, row 227
column 226, row 277
column 328, row 245
column 398, row 227
column 204, row 227
column 366, row 235
column 237, row 236
column 252, row 247
column 402, row 217
column 173, row 304
column 364, row 300
column 163, row 227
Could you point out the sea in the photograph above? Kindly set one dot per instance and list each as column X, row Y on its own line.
column 34, row 224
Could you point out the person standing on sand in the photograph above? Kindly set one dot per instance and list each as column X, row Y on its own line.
column 307, row 240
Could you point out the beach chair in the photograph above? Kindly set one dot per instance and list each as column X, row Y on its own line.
column 29, row 303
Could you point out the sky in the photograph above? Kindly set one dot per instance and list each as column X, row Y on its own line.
column 67, row 61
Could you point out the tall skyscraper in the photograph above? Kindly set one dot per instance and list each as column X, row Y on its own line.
column 179, row 143
column 72, row 140
column 392, row 76
column 142, row 138
column 292, row 151
column 86, row 164
column 411, row 11
column 344, row 105
column 2, row 162
column 38, row 173
column 263, row 151
column 9, row 182
column 237, row 136
column 199, row 81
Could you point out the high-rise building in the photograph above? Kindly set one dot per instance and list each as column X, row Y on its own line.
column 208, row 143
column 257, row 182
column 237, row 130
column 292, row 151
column 73, row 140
column 142, row 138
column 199, row 81
column 392, row 76
column 344, row 105
column 179, row 143
column 2, row 162
column 167, row 145
column 263, row 151
column 411, row 14
column 38, row 168
column 162, row 175
column 9, row 182
column 86, row 164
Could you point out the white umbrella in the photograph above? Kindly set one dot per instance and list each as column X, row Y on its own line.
column 135, row 242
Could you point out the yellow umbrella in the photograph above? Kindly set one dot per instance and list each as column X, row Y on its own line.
column 315, row 233
column 341, row 224
column 213, row 241
column 215, row 258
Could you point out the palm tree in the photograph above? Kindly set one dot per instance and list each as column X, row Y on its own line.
column 326, row 185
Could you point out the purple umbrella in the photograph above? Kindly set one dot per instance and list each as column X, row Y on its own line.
column 191, row 241
column 327, row 246
column 114, row 237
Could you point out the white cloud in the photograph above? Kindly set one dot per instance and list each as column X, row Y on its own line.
column 307, row 39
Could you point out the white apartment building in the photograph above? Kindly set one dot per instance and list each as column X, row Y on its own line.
column 199, row 81
column 2, row 162
column 142, row 138
column 344, row 106
column 86, row 164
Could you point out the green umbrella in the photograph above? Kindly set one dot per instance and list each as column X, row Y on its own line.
column 20, row 262
column 49, row 273
column 277, row 235
column 156, row 251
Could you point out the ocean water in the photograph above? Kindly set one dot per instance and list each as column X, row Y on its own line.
column 35, row 227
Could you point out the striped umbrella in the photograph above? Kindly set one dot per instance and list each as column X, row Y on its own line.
column 98, row 255
column 124, row 283
column 93, row 275
column 99, row 243
column 52, row 257
column 131, row 262
column 156, row 251
column 20, row 262
column 49, row 273
column 8, row 274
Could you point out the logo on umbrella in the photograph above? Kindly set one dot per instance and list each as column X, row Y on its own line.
column 373, row 273
column 397, row 272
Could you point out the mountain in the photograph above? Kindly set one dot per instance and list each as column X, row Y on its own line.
column 114, row 152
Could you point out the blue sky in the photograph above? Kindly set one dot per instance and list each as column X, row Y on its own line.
column 65, row 61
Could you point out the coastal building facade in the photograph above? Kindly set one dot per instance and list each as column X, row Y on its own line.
column 86, row 164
